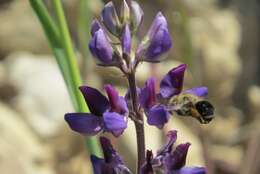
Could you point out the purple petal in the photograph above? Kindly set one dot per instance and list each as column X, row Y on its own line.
column 95, row 26
column 190, row 170
column 156, row 42
column 97, row 164
column 198, row 91
column 147, row 95
column 177, row 159
column 114, row 123
column 136, row 15
column 126, row 40
column 117, row 103
column 172, row 83
column 158, row 116
column 171, row 139
column 96, row 101
column 159, row 21
column 114, row 163
column 100, row 47
column 84, row 123
column 109, row 152
column 160, row 43
column 147, row 167
column 110, row 19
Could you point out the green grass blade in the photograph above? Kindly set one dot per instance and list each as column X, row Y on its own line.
column 59, row 39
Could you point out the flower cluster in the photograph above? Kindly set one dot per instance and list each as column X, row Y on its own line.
column 111, row 44
column 170, row 161
column 166, row 160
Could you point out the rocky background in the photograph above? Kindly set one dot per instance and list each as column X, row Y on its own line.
column 218, row 39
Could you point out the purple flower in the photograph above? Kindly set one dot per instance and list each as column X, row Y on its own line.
column 157, row 41
column 155, row 104
column 157, row 114
column 172, row 161
column 109, row 115
column 99, row 45
column 112, row 162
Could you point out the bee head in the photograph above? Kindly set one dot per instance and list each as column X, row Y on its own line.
column 206, row 110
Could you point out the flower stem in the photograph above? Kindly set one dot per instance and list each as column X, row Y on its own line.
column 139, row 116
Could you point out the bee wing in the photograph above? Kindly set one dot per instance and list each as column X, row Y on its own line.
column 174, row 108
column 200, row 91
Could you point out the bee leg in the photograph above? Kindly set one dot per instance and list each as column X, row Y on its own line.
column 201, row 120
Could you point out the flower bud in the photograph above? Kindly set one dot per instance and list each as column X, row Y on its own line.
column 95, row 26
column 110, row 19
column 126, row 40
column 157, row 40
column 136, row 16
column 100, row 47
column 125, row 13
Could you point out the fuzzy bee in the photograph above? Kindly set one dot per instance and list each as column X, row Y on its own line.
column 186, row 104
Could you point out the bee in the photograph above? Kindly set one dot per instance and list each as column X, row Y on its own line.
column 187, row 104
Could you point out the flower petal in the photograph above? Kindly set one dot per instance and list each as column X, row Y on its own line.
column 158, row 116
column 117, row 103
column 201, row 91
column 147, row 95
column 114, row 123
column 96, row 101
column 190, row 170
column 160, row 43
column 84, row 123
column 156, row 42
column 177, row 159
column 100, row 47
column 109, row 152
column 112, row 158
column 97, row 164
column 171, row 139
column 147, row 168
column 159, row 21
column 95, row 26
column 172, row 82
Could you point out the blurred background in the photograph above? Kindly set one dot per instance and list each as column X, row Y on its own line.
column 218, row 39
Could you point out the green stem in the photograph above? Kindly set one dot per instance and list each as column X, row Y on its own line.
column 74, row 70
column 60, row 41
column 69, row 51
column 84, row 22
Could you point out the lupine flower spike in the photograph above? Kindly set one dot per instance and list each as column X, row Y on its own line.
column 112, row 45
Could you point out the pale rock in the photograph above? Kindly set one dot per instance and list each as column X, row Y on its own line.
column 254, row 99
column 42, row 98
column 216, row 36
column 21, row 152
column 20, row 29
